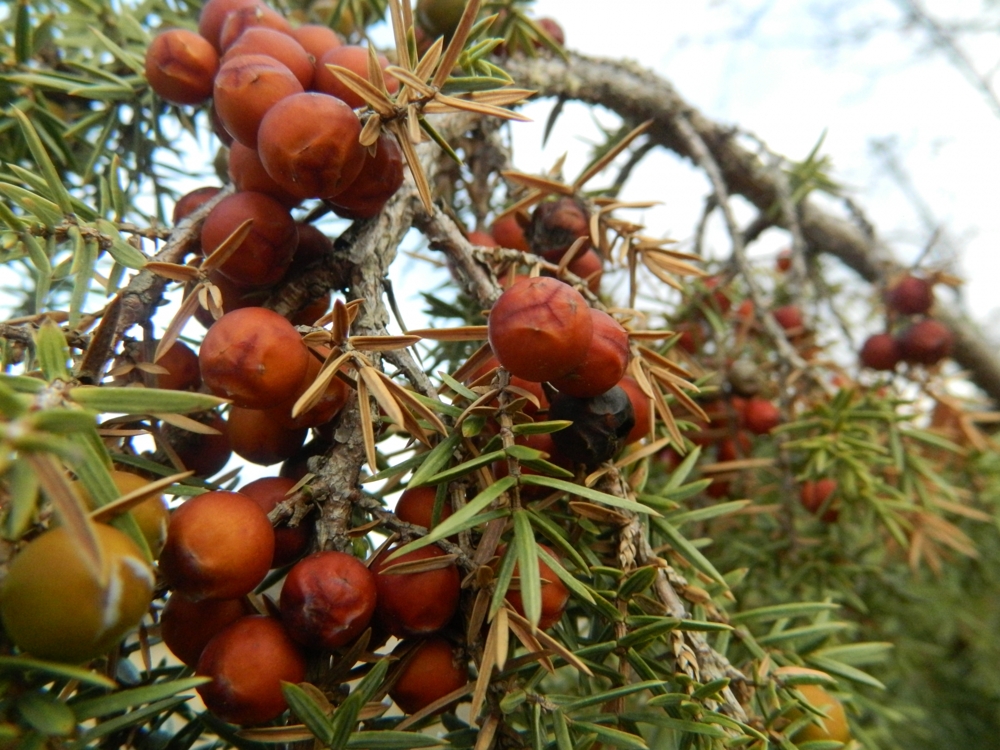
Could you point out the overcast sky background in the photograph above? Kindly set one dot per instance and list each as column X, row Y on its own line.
column 787, row 71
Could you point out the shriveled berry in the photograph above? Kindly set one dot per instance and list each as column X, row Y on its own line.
column 328, row 600
column 600, row 425
column 556, row 225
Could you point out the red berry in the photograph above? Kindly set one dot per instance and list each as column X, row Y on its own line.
column 761, row 416
column 880, row 352
column 604, row 363
column 926, row 342
column 911, row 295
column 814, row 494
column 180, row 66
column 328, row 600
column 540, row 329
column 254, row 357
column 247, row 662
column 219, row 546
column 433, row 672
column 415, row 603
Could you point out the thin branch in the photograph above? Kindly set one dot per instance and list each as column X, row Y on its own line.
column 636, row 93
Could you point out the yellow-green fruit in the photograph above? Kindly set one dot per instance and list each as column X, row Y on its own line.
column 835, row 726
column 440, row 17
column 54, row 607
column 152, row 515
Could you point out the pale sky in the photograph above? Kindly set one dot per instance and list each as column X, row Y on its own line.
column 776, row 80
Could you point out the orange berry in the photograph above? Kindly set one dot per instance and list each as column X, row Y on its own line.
column 186, row 626
column 328, row 600
column 415, row 603
column 434, row 671
column 254, row 357
column 180, row 66
column 308, row 143
column 247, row 662
column 219, row 546
column 605, row 362
column 540, row 329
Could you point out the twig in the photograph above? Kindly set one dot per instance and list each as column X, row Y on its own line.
column 639, row 94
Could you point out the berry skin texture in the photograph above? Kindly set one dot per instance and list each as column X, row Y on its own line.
column 213, row 16
column 254, row 357
column 508, row 233
column 249, row 176
column 760, row 416
column 604, row 363
column 308, row 143
column 180, row 66
column 431, row 673
column 328, row 600
column 379, row 179
column 540, row 329
column 261, row 40
column 911, row 295
column 316, row 39
column 415, row 603
column 54, row 607
column 355, row 59
column 247, row 662
column 880, row 352
column 187, row 627
column 188, row 203
column 246, row 88
column 219, row 546
column 926, row 342
column 255, row 434
column 267, row 250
